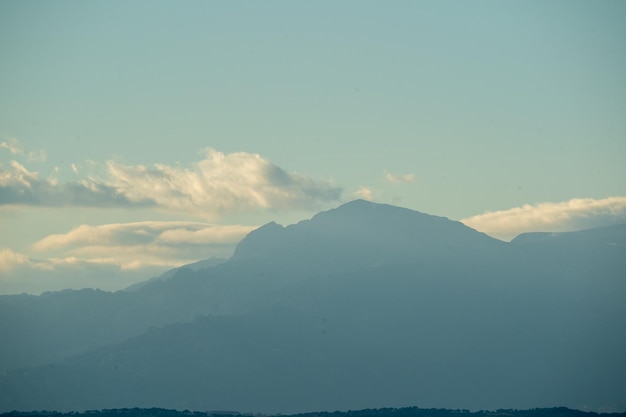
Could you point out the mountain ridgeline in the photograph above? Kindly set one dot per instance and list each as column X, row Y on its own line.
column 363, row 306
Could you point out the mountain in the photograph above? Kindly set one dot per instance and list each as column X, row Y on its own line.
column 196, row 266
column 366, row 305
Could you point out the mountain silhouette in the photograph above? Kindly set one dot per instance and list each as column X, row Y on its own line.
column 365, row 305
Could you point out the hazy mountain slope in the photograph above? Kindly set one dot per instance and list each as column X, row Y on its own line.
column 196, row 266
column 602, row 236
column 366, row 305
column 41, row 329
column 389, row 337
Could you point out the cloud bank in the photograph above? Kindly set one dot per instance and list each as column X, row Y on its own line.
column 19, row 273
column 140, row 244
column 113, row 256
column 219, row 183
column 575, row 214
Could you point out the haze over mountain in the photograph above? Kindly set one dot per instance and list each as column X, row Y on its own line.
column 365, row 305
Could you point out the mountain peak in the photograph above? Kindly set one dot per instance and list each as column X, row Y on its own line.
column 382, row 228
column 361, row 204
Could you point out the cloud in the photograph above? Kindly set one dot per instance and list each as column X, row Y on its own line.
column 220, row 183
column 12, row 145
column 19, row 273
column 217, row 184
column 19, row 186
column 113, row 256
column 212, row 235
column 145, row 243
column 9, row 260
column 365, row 193
column 399, row 178
column 575, row 214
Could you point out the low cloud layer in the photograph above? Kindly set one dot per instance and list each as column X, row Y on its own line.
column 113, row 256
column 575, row 214
column 19, row 273
column 139, row 244
column 219, row 183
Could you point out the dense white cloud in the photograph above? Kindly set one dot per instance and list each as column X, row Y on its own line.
column 575, row 214
column 217, row 184
column 220, row 183
column 399, row 178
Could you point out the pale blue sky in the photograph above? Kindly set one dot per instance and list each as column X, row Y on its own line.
column 482, row 106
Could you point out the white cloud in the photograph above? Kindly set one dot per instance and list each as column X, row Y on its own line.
column 364, row 193
column 213, row 235
column 399, row 178
column 112, row 256
column 145, row 243
column 219, row 183
column 19, row 186
column 9, row 260
column 19, row 176
column 575, row 214
column 19, row 273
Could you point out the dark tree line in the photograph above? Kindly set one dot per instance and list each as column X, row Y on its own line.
column 379, row 412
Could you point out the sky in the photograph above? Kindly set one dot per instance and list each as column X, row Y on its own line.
column 140, row 136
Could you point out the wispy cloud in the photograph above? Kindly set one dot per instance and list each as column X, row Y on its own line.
column 10, row 260
column 12, row 145
column 219, row 183
column 575, row 214
column 399, row 178
column 15, row 148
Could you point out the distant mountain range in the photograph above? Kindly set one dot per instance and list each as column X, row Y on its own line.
column 366, row 305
